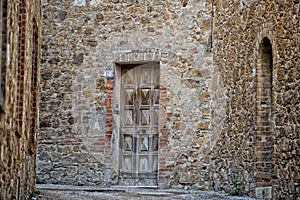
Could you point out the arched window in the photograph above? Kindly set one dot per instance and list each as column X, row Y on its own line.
column 264, row 143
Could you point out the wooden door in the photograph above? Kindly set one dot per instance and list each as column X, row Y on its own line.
column 139, row 125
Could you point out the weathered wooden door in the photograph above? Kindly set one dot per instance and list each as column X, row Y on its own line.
column 139, row 125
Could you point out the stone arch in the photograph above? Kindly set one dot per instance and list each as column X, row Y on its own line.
column 264, row 102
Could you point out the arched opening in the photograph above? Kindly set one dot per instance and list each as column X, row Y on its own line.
column 264, row 142
column 34, row 89
column 21, row 64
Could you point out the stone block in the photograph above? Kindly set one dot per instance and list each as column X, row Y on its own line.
column 203, row 125
column 263, row 193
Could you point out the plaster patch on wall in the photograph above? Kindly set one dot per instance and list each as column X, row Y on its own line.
column 94, row 2
column 99, row 2
column 248, row 2
column 79, row 3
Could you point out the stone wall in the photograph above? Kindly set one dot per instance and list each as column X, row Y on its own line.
column 19, row 88
column 82, row 41
column 228, row 120
column 256, row 51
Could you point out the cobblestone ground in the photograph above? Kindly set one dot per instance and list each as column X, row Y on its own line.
column 129, row 194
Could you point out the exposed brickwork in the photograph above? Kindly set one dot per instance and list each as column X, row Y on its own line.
column 264, row 104
column 21, row 63
column 35, row 73
column 104, row 143
column 18, row 125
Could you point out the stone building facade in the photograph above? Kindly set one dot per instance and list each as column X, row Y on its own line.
column 85, row 45
column 171, row 94
column 20, row 28
column 256, row 51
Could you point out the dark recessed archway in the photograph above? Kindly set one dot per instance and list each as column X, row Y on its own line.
column 264, row 142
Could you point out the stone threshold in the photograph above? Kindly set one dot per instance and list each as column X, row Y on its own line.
column 143, row 190
column 129, row 189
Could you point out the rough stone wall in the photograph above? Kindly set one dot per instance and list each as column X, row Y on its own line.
column 20, row 58
column 245, row 144
column 81, row 42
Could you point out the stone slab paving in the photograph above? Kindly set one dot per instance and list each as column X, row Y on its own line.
column 62, row 192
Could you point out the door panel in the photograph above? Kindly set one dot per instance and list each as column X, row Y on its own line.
column 156, row 96
column 127, row 163
column 155, row 142
column 145, row 96
column 129, row 96
column 128, row 117
column 128, row 143
column 145, row 117
column 139, row 125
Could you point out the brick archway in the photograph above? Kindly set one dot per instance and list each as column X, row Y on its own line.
column 264, row 102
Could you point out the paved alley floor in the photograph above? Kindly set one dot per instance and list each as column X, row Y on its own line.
column 57, row 192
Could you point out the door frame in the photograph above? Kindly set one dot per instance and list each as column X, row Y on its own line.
column 116, row 107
